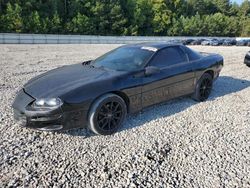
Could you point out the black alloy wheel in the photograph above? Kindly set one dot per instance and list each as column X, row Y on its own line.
column 203, row 87
column 107, row 114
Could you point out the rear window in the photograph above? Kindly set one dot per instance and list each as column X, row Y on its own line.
column 192, row 55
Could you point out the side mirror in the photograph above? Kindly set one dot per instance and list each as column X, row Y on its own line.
column 150, row 70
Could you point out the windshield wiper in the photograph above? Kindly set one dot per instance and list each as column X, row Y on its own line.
column 87, row 62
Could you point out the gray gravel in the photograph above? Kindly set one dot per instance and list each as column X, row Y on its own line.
column 178, row 144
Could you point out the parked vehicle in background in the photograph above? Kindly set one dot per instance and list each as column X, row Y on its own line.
column 247, row 59
column 220, row 41
column 206, row 42
column 214, row 42
column 242, row 42
column 187, row 41
column 175, row 41
column 197, row 42
column 229, row 42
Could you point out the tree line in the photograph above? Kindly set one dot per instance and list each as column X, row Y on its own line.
column 126, row 17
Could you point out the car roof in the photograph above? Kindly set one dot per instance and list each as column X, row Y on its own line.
column 157, row 45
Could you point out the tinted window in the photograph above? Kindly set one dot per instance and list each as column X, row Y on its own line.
column 168, row 57
column 192, row 55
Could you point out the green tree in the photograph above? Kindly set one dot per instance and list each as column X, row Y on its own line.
column 108, row 18
column 12, row 20
column 128, row 7
column 216, row 24
column 202, row 7
column 118, row 20
column 55, row 24
column 234, row 9
column 177, row 27
column 244, row 15
column 79, row 24
column 142, row 20
column 161, row 17
column 193, row 26
column 246, row 28
column 126, row 17
column 232, row 26
column 177, row 7
column 244, row 9
column 223, row 6
column 33, row 23
column 100, row 18
column 45, row 25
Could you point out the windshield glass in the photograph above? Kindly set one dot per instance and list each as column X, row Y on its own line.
column 125, row 58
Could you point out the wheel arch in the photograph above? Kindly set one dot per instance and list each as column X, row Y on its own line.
column 211, row 72
column 124, row 97
column 119, row 93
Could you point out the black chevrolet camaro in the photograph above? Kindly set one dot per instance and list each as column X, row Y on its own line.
column 98, row 94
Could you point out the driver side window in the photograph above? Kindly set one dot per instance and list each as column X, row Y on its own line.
column 168, row 56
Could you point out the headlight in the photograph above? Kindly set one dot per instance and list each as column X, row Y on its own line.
column 47, row 103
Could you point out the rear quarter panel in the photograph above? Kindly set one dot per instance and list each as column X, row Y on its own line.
column 209, row 62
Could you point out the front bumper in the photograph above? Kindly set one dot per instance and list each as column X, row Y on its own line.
column 55, row 119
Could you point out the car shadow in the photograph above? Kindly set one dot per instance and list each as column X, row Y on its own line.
column 223, row 86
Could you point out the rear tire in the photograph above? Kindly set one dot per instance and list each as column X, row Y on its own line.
column 107, row 114
column 203, row 88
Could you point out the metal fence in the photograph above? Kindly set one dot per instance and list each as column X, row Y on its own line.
column 15, row 38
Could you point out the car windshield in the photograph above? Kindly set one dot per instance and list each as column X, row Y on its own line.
column 125, row 58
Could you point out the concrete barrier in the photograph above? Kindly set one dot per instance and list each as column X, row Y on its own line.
column 16, row 38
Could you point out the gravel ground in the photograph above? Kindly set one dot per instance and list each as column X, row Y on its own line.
column 181, row 143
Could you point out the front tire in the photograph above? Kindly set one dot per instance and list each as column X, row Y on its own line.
column 107, row 114
column 203, row 88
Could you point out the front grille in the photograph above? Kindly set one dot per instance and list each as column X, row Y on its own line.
column 46, row 118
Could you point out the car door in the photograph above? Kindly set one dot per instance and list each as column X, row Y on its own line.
column 175, row 77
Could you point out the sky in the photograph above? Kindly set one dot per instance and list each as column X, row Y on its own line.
column 238, row 1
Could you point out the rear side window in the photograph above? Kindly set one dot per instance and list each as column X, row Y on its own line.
column 192, row 55
column 168, row 56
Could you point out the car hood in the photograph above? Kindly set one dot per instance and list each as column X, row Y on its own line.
column 61, row 80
